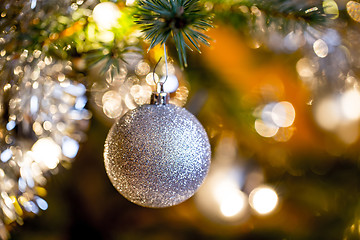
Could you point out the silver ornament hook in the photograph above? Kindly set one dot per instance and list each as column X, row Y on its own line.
column 160, row 97
column 161, row 88
column 155, row 69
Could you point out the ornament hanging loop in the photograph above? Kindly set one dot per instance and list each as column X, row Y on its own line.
column 160, row 97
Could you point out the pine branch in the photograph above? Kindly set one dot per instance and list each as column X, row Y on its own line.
column 179, row 19
column 295, row 10
column 286, row 13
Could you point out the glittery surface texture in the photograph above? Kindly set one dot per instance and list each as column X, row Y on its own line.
column 157, row 155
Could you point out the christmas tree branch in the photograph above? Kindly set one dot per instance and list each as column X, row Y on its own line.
column 181, row 19
column 286, row 13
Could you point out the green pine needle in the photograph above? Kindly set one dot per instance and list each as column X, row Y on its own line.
column 180, row 19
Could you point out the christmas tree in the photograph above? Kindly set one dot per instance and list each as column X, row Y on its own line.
column 274, row 84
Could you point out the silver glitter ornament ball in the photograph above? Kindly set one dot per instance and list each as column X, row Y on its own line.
column 157, row 155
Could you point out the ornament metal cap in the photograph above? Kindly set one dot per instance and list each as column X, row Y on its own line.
column 160, row 97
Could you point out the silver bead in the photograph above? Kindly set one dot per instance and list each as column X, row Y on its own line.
column 157, row 155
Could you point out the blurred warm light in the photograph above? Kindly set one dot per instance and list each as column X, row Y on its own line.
column 352, row 231
column 17, row 207
column 306, row 68
column 263, row 200
column 331, row 8
column 233, row 202
column 265, row 129
column 170, row 68
column 132, row 84
column 130, row 2
column 106, row 15
column 327, row 113
column 181, row 96
column 116, row 76
column 106, row 36
column 353, row 9
column 275, row 116
column 129, row 102
column 7, row 208
column 283, row 114
column 340, row 113
column 350, row 104
column 151, row 79
column 141, row 93
column 142, row 68
column 34, row 104
column 321, row 49
column 220, row 197
column 284, row 134
column 47, row 152
column 111, row 101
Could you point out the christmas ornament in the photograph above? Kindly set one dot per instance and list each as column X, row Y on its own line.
column 157, row 155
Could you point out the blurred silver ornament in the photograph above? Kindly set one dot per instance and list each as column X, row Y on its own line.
column 157, row 155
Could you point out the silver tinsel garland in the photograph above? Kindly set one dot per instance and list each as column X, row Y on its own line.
column 43, row 121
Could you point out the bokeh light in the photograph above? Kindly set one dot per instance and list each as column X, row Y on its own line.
column 106, row 15
column 132, row 83
column 233, row 202
column 283, row 114
column 340, row 114
column 306, row 68
column 130, row 2
column 263, row 200
column 353, row 9
column 142, row 68
column 220, row 197
column 327, row 113
column 6, row 155
column 273, row 117
column 321, row 49
column 70, row 147
column 265, row 129
column 350, row 104
column 333, row 110
column 46, row 151
column 111, row 104
column 331, row 8
column 105, row 36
